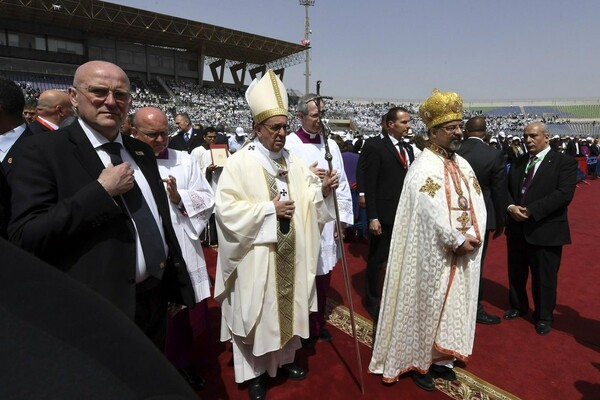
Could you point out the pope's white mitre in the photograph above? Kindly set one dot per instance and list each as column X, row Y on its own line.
column 267, row 97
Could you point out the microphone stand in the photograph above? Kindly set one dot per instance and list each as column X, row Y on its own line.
column 328, row 157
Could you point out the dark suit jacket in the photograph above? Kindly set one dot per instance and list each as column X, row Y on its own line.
column 490, row 170
column 75, row 343
column 37, row 127
column 62, row 214
column 547, row 198
column 5, row 168
column 382, row 178
column 177, row 142
column 571, row 149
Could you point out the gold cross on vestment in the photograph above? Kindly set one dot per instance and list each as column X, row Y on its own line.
column 430, row 187
column 463, row 220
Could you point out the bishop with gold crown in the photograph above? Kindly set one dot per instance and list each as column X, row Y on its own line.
column 429, row 301
column 270, row 210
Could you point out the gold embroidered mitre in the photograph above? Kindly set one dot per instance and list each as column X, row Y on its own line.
column 441, row 107
column 267, row 97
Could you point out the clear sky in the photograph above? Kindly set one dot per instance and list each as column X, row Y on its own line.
column 482, row 49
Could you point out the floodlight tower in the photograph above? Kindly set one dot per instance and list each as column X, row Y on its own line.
column 306, row 40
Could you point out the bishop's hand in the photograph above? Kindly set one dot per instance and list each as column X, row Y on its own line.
column 470, row 244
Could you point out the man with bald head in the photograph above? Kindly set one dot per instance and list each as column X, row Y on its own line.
column 490, row 169
column 541, row 184
column 53, row 108
column 90, row 202
column 191, row 202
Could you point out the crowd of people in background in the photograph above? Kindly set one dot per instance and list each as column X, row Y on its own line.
column 223, row 105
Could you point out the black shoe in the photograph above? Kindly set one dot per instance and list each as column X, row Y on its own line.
column 194, row 380
column 543, row 328
column 325, row 336
column 373, row 311
column 294, row 371
column 307, row 343
column 257, row 388
column 440, row 371
column 513, row 313
column 487, row 319
column 424, row 381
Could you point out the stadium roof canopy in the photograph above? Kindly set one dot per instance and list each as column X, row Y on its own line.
column 135, row 25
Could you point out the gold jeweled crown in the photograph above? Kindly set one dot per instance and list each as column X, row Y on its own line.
column 441, row 107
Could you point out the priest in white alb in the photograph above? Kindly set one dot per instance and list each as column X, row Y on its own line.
column 270, row 212
column 308, row 143
column 191, row 201
column 429, row 301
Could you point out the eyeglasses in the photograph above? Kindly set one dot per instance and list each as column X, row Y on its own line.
column 452, row 128
column 275, row 128
column 100, row 93
column 155, row 135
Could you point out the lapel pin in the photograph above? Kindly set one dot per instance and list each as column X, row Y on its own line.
column 9, row 160
column 139, row 153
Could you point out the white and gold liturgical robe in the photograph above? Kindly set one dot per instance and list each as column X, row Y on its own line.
column 429, row 300
column 311, row 152
column 252, row 270
column 198, row 200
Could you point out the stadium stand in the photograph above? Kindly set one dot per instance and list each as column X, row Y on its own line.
column 581, row 110
column 224, row 105
column 546, row 112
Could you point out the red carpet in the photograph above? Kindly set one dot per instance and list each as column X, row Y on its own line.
column 562, row 365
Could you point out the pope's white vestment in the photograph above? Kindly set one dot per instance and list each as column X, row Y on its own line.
column 198, row 200
column 246, row 282
column 429, row 301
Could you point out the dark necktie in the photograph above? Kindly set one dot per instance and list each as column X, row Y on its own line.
column 529, row 171
column 148, row 232
column 402, row 154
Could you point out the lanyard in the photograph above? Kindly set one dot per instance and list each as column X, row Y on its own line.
column 532, row 163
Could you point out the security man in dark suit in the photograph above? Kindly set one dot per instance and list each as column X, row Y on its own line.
column 13, row 130
column 385, row 160
column 541, row 185
column 490, row 168
column 188, row 138
column 91, row 202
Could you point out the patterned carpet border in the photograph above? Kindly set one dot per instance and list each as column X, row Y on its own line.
column 467, row 387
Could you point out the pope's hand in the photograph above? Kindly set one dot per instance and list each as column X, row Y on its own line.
column 320, row 172
column 285, row 208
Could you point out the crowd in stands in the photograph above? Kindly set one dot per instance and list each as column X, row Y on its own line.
column 210, row 105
